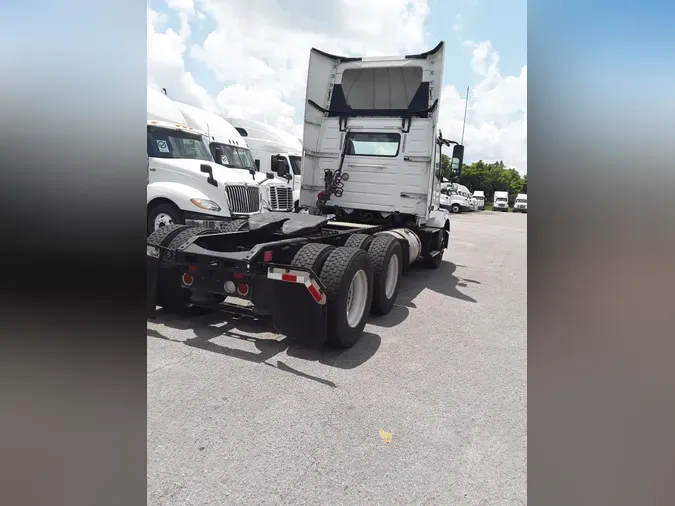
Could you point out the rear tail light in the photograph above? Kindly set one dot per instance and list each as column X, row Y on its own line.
column 230, row 287
column 242, row 289
column 188, row 279
column 267, row 256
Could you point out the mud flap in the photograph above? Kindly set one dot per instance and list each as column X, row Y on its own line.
column 294, row 311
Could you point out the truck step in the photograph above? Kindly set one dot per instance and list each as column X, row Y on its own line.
column 435, row 253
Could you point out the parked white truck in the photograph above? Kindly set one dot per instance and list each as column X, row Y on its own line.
column 520, row 205
column 274, row 150
column 455, row 198
column 371, row 181
column 229, row 149
column 479, row 195
column 501, row 201
column 185, row 185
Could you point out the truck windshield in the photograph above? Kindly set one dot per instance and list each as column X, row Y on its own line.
column 296, row 163
column 169, row 143
column 233, row 156
column 501, row 199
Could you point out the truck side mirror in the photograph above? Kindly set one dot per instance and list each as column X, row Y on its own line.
column 457, row 160
column 280, row 166
column 208, row 170
column 256, row 162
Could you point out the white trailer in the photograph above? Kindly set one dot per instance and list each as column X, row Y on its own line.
column 274, row 150
column 185, row 185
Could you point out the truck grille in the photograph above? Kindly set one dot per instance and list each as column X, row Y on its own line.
column 243, row 199
column 281, row 198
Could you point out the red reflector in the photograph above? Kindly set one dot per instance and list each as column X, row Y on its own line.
column 320, row 195
column 192, row 268
column 243, row 289
column 289, row 277
column 267, row 256
column 315, row 293
column 238, row 275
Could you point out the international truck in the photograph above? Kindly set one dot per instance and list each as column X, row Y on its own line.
column 184, row 184
column 455, row 198
column 371, row 184
column 274, row 150
column 501, row 201
column 230, row 150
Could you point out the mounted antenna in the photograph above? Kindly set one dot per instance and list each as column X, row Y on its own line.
column 466, row 106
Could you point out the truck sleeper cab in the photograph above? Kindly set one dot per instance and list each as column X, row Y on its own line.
column 274, row 150
column 184, row 184
column 230, row 150
column 369, row 178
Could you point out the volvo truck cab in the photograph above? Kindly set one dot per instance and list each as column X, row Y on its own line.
column 228, row 148
column 184, row 184
column 274, row 150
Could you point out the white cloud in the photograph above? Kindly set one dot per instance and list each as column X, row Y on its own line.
column 258, row 51
column 496, row 127
column 166, row 68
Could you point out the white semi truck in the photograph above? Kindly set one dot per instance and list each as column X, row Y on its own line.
column 479, row 195
column 185, row 185
column 520, row 205
column 501, row 201
column 455, row 198
column 229, row 149
column 371, row 183
column 274, row 150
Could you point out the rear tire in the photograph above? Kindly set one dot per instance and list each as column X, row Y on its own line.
column 312, row 256
column 170, row 293
column 456, row 208
column 387, row 256
column 348, row 278
column 162, row 215
column 362, row 241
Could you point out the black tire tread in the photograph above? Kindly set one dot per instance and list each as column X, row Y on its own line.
column 378, row 252
column 312, row 256
column 362, row 241
column 164, row 235
column 233, row 226
column 332, row 275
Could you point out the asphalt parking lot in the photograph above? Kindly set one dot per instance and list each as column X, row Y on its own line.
column 428, row 408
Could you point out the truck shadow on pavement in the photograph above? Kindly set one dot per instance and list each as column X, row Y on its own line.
column 207, row 326
column 442, row 281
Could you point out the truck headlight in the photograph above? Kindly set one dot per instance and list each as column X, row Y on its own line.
column 208, row 205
